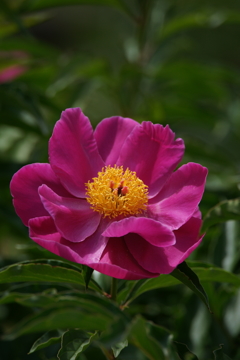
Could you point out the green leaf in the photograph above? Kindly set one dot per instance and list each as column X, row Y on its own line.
column 18, row 293
column 141, row 286
column 204, row 271
column 43, row 4
column 52, row 319
column 73, row 343
column 87, row 274
column 140, row 336
column 183, row 352
column 184, row 22
column 198, row 19
column 44, row 271
column 89, row 302
column 217, row 275
column 47, row 339
column 219, row 355
column 8, row 28
column 117, row 348
column 132, row 290
column 188, row 277
column 224, row 211
column 159, row 333
column 89, row 312
column 116, row 333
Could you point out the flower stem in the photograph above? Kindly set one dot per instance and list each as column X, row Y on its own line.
column 114, row 289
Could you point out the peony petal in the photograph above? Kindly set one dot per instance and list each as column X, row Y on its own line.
column 111, row 134
column 151, row 230
column 112, row 259
column 165, row 260
column 43, row 231
column 116, row 261
column 179, row 198
column 73, row 217
column 151, row 151
column 24, row 189
column 73, row 151
column 197, row 213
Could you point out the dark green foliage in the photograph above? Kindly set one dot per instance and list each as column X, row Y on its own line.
column 170, row 62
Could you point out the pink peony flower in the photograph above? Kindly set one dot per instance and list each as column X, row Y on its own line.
column 109, row 198
column 12, row 72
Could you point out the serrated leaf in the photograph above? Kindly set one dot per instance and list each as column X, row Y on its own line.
column 44, row 271
column 219, row 355
column 73, row 343
column 184, row 352
column 224, row 211
column 188, row 277
column 47, row 339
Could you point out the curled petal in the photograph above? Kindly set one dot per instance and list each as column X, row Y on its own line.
column 97, row 251
column 165, row 260
column 116, row 261
column 180, row 196
column 44, row 232
column 24, row 189
column 110, row 135
column 73, row 217
column 73, row 151
column 151, row 230
column 152, row 152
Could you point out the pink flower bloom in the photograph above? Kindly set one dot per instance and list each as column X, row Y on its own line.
column 109, row 198
column 11, row 72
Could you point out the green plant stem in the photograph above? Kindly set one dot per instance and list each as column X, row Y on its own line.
column 114, row 289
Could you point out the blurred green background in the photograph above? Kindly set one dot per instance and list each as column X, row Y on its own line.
column 165, row 61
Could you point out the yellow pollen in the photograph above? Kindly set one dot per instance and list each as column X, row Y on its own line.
column 117, row 192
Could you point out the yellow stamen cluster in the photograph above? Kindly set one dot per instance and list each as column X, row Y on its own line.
column 117, row 192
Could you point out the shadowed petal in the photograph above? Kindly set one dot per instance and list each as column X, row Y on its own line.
column 116, row 261
column 24, row 189
column 43, row 231
column 110, row 135
column 152, row 231
column 73, row 151
column 110, row 256
column 151, row 151
column 164, row 260
column 180, row 196
column 73, row 217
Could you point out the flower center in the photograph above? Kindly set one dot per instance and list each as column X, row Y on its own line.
column 117, row 192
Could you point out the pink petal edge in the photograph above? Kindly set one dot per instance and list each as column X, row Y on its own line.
column 151, row 230
column 110, row 134
column 165, row 260
column 152, row 152
column 95, row 251
column 73, row 151
column 24, row 189
column 180, row 196
column 73, row 217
